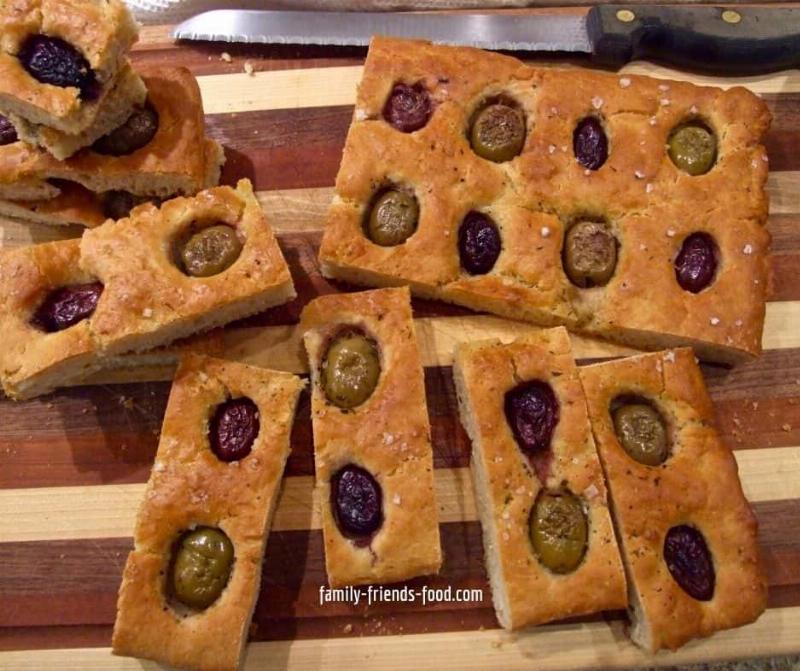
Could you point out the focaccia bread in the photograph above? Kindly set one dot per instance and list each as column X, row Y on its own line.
column 172, row 163
column 131, row 293
column 191, row 489
column 503, row 236
column 76, row 205
column 375, row 454
column 517, row 488
column 667, row 509
column 95, row 35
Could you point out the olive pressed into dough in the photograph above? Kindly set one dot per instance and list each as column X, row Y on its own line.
column 350, row 370
column 210, row 251
column 201, row 567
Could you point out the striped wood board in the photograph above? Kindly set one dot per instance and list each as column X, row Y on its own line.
column 73, row 464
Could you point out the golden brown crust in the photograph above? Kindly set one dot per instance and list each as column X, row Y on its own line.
column 103, row 30
column 30, row 358
column 189, row 486
column 536, row 196
column 148, row 301
column 524, row 591
column 697, row 485
column 169, row 164
column 388, row 435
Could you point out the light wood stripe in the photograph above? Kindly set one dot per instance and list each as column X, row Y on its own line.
column 558, row 647
column 108, row 511
column 325, row 87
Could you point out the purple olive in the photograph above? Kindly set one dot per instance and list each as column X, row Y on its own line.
column 8, row 134
column 478, row 243
column 233, row 429
column 689, row 561
column 408, row 107
column 66, row 306
column 590, row 144
column 532, row 412
column 696, row 263
column 53, row 61
column 356, row 500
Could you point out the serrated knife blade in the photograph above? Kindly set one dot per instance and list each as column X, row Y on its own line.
column 487, row 31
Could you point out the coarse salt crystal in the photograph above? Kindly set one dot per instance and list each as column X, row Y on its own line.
column 396, row 499
column 545, row 231
column 652, row 121
column 663, row 87
column 693, row 109
column 361, row 115
column 747, row 249
column 639, row 174
column 225, row 56
column 649, row 188
column 664, row 102
column 714, row 321
column 624, row 82
column 591, row 491
column 670, row 357
column 597, row 102
column 159, row 467
column 147, row 313
column 551, row 149
column 738, row 322
column 643, row 246
column 388, row 438
column 506, row 515
column 587, row 172
column 670, row 232
column 248, row 68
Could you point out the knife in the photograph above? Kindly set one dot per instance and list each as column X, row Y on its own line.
column 742, row 41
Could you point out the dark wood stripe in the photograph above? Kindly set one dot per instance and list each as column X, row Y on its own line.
column 60, row 583
column 107, row 435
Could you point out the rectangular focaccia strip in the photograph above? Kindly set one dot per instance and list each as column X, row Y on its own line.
column 649, row 205
column 146, row 300
column 388, row 435
column 76, row 205
column 697, row 485
column 103, row 31
column 190, row 487
column 172, row 163
column 508, row 484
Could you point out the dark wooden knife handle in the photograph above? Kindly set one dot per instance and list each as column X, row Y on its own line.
column 744, row 40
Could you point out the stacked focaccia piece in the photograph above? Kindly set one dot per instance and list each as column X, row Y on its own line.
column 84, row 137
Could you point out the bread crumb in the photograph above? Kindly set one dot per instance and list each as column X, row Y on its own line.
column 787, row 427
column 248, row 68
column 624, row 82
column 348, row 629
column 126, row 402
column 225, row 56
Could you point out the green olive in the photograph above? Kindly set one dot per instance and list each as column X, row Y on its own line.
column 393, row 219
column 498, row 132
column 201, row 567
column 693, row 148
column 641, row 433
column 590, row 254
column 210, row 251
column 351, row 370
column 559, row 531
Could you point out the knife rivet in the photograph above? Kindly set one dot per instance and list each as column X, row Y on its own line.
column 625, row 15
column 730, row 16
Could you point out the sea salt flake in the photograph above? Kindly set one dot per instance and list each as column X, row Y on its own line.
column 551, row 149
column 670, row 357
column 747, row 249
column 624, row 82
column 693, row 109
column 159, row 467
column 639, row 174
column 147, row 313
column 649, row 188
column 652, row 121
column 545, row 231
column 591, row 491
column 665, row 102
column 388, row 438
column 361, row 115
column 738, row 322
column 670, row 232
column 597, row 102
column 396, row 499
column 663, row 87
column 587, row 172
column 713, row 321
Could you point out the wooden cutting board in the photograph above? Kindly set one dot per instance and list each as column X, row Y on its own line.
column 73, row 464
